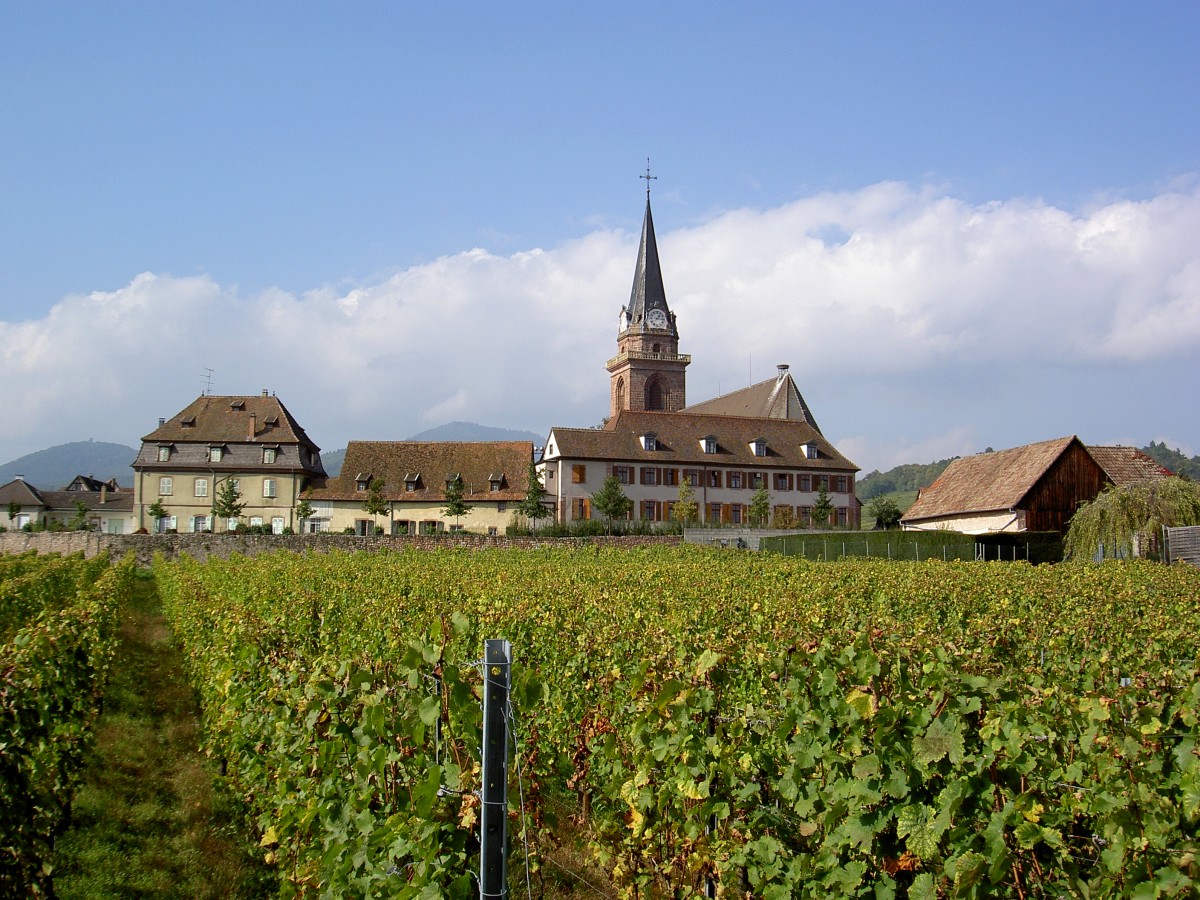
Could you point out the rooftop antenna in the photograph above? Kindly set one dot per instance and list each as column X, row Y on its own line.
column 206, row 376
column 649, row 178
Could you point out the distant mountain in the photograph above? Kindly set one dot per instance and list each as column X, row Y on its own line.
column 55, row 468
column 453, row 431
column 469, row 431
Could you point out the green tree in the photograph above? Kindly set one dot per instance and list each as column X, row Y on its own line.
column 79, row 520
column 886, row 512
column 226, row 503
column 533, row 507
column 760, row 506
column 822, row 509
column 157, row 513
column 14, row 510
column 1118, row 515
column 455, row 505
column 304, row 509
column 783, row 518
column 376, row 503
column 686, row 510
column 611, row 501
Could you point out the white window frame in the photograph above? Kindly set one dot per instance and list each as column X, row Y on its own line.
column 215, row 454
column 164, row 453
column 269, row 488
column 269, row 456
column 166, row 485
column 200, row 487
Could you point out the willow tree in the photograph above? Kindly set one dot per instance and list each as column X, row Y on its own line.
column 1120, row 514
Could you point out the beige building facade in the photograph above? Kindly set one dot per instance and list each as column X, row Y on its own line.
column 252, row 442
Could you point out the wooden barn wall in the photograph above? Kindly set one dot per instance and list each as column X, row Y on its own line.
column 1073, row 479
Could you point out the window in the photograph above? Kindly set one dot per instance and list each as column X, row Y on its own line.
column 501, row 506
column 709, row 444
column 806, row 482
column 492, row 531
column 164, row 454
column 781, row 481
column 237, row 486
column 277, row 525
column 268, row 487
column 810, row 450
column 714, row 479
column 735, row 480
column 231, row 524
column 201, row 487
column 839, row 483
column 649, row 441
column 714, row 512
column 410, row 484
column 670, row 476
column 735, row 513
column 199, row 523
column 579, row 508
column 214, row 454
column 822, row 482
column 361, row 484
column 841, row 516
column 164, row 486
column 692, row 476
column 494, row 485
column 578, row 473
column 269, row 455
column 649, row 510
column 806, row 516
column 256, row 521
column 759, row 447
column 624, row 474
column 649, row 475
column 756, row 480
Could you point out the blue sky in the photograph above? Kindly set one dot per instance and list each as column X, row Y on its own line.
column 964, row 225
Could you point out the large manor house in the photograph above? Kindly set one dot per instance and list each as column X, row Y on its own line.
column 727, row 448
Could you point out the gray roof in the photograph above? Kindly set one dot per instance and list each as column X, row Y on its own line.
column 648, row 291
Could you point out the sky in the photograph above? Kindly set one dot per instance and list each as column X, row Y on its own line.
column 963, row 225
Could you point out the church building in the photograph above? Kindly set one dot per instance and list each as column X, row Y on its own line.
column 726, row 448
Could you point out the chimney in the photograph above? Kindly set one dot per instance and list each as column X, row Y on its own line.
column 103, row 493
column 265, row 394
column 161, row 421
column 19, row 477
column 252, row 429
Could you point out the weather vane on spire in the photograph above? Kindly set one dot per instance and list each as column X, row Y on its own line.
column 649, row 178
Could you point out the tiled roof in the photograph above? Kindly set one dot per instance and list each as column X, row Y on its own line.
column 111, row 501
column 1125, row 464
column 20, row 491
column 775, row 398
column 679, row 440
column 987, row 481
column 434, row 461
column 261, row 418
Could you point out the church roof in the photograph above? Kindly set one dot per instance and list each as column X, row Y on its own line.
column 679, row 439
column 648, row 291
column 775, row 398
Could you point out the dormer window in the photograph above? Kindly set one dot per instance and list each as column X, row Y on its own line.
column 496, row 481
column 452, row 480
column 708, row 443
column 810, row 450
column 215, row 454
column 269, row 455
column 759, row 447
column 271, row 421
column 164, row 452
column 189, row 422
column 238, row 404
column 649, row 441
column 412, row 481
column 362, row 481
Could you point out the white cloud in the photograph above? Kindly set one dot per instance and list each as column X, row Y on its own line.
column 888, row 286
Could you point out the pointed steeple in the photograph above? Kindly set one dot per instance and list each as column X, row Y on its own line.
column 648, row 292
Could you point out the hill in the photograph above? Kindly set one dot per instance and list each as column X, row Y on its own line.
column 54, row 468
column 909, row 477
column 453, row 431
column 1174, row 460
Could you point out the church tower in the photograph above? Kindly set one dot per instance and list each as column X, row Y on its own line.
column 648, row 371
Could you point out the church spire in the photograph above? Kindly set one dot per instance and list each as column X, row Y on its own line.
column 648, row 292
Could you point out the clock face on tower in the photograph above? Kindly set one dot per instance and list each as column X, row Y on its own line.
column 656, row 318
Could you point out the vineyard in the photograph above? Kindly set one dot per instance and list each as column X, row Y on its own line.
column 58, row 620
column 691, row 721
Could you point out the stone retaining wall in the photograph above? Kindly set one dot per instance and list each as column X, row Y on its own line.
column 202, row 546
